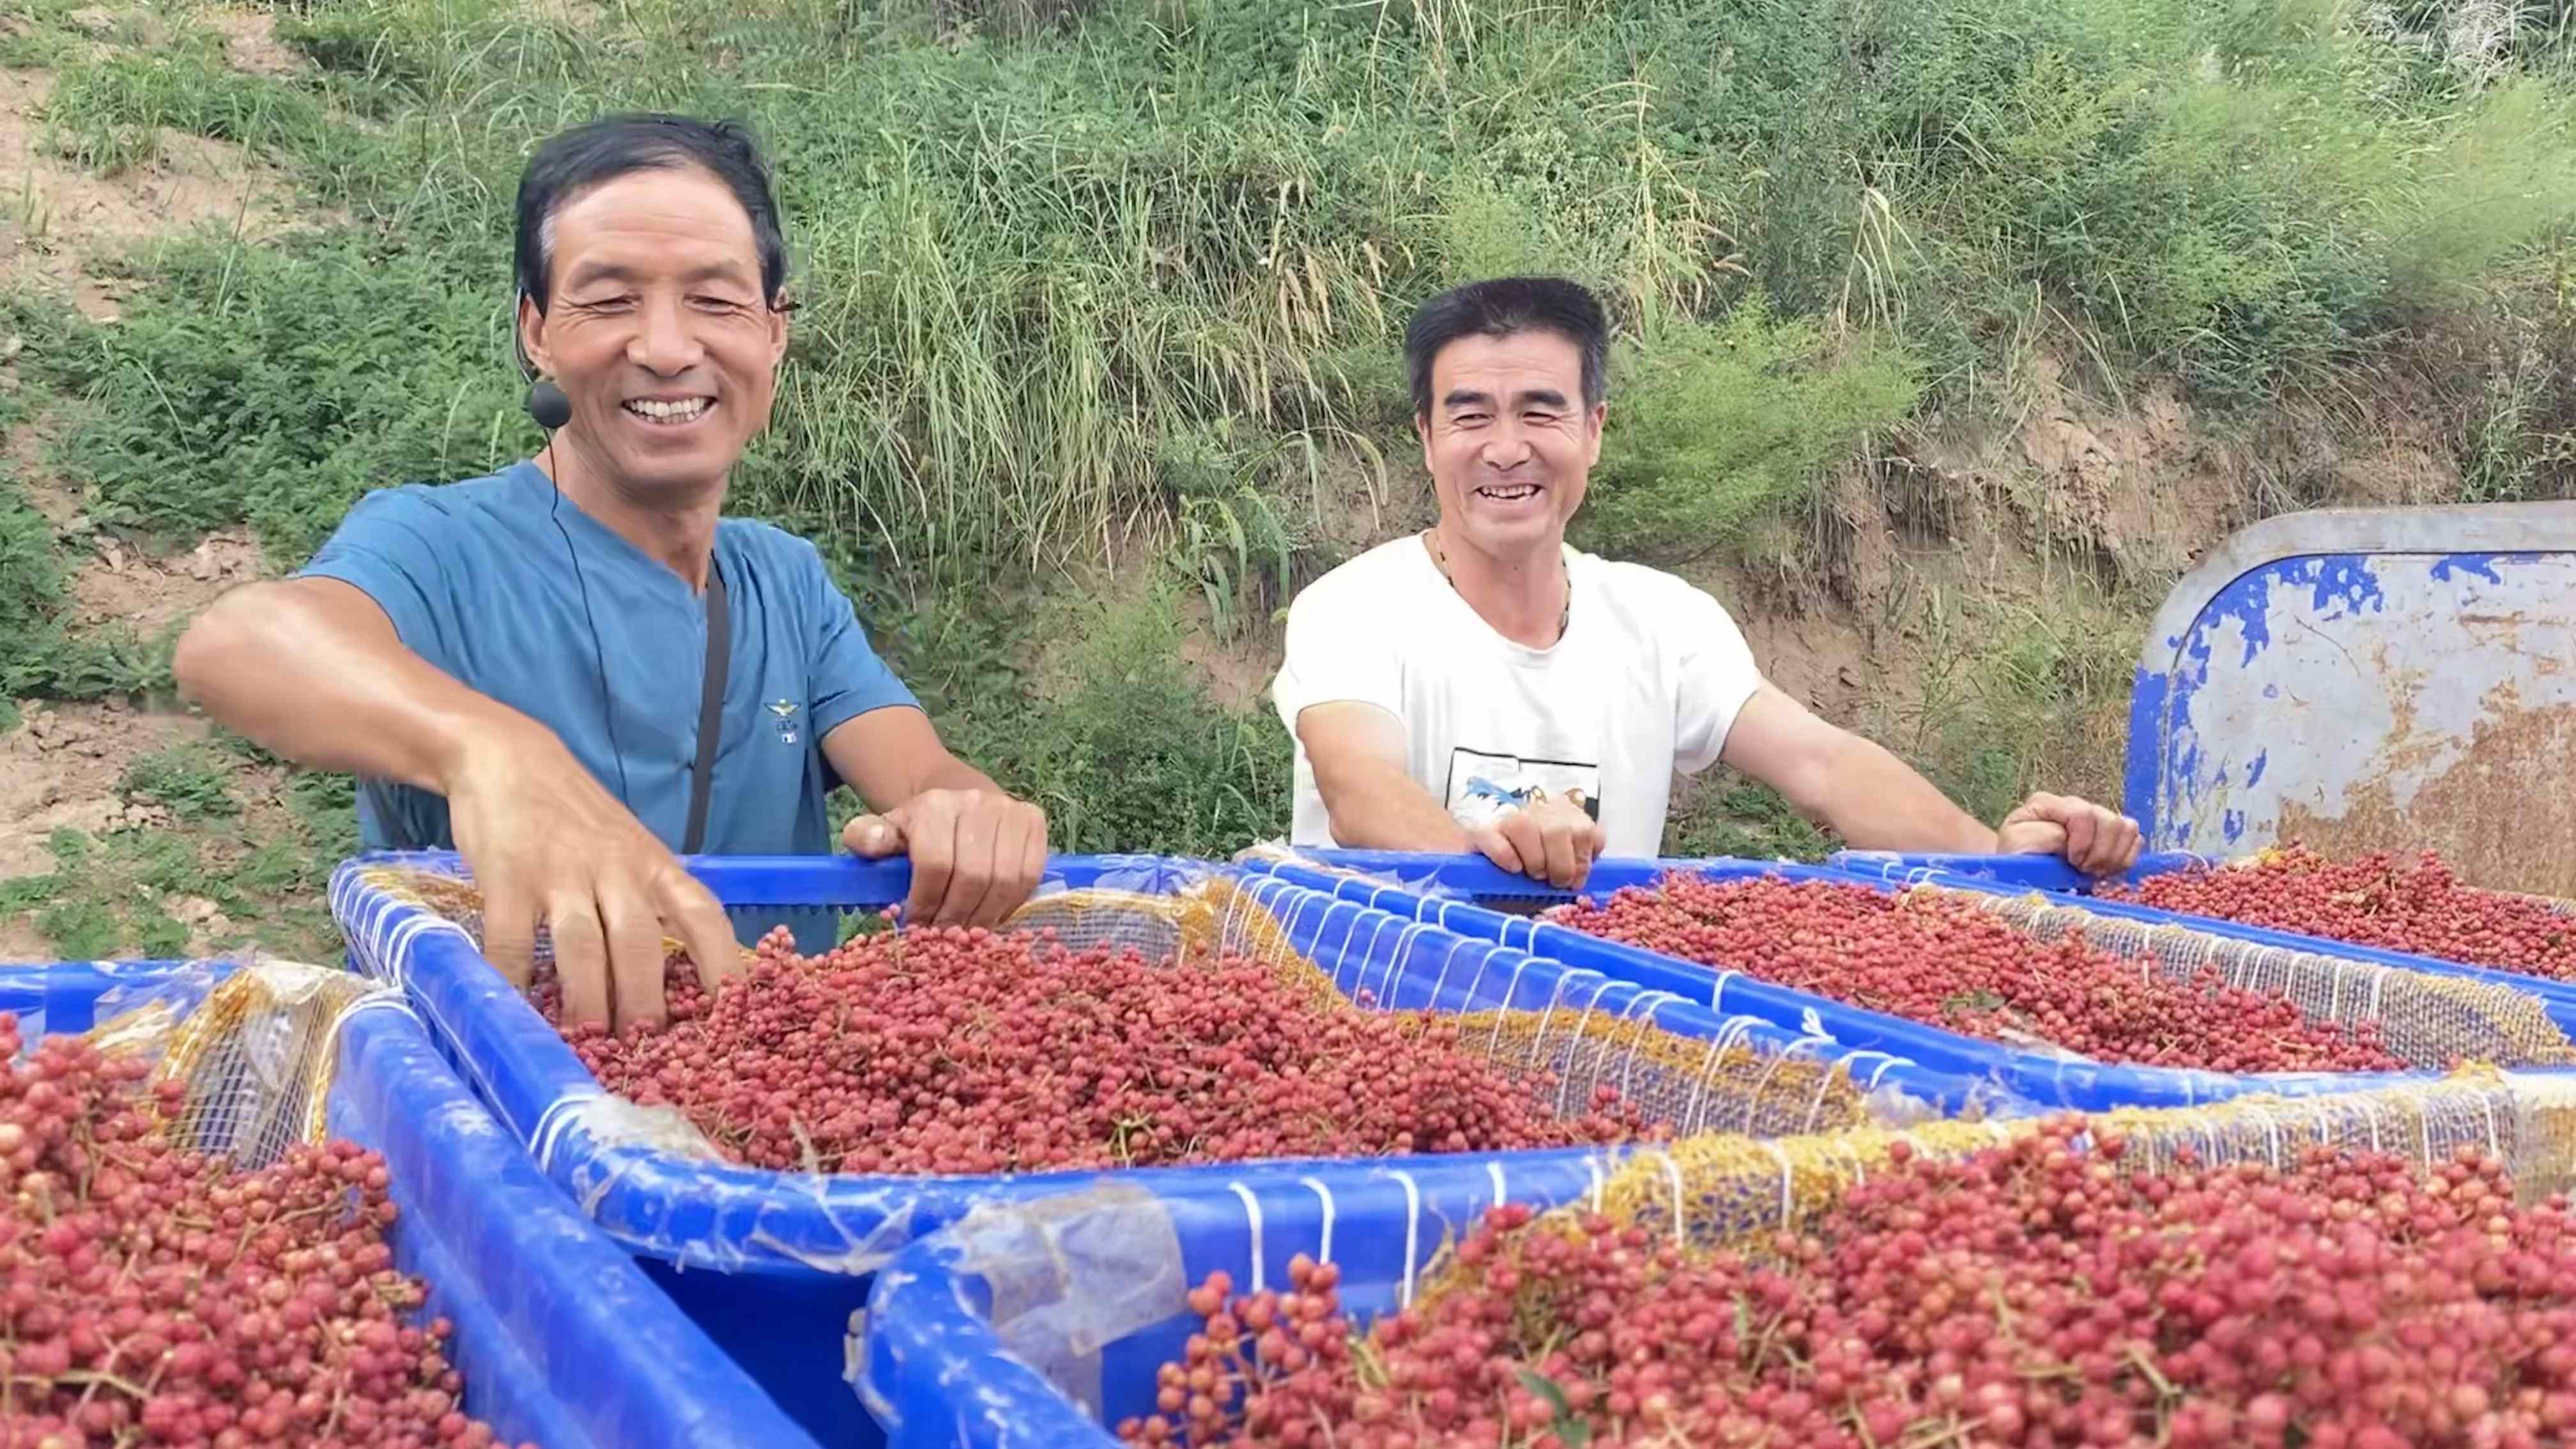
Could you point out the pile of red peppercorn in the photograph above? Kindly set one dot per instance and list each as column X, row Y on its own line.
column 940, row 1050
column 1943, row 961
column 2374, row 901
column 150, row 1295
column 2037, row 1294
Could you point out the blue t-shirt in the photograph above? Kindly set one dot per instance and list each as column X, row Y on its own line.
column 480, row 581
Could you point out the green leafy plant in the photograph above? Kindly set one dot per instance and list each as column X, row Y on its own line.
column 186, row 779
column 275, row 385
column 1240, row 553
column 109, row 113
column 40, row 654
column 1714, row 427
column 1731, row 815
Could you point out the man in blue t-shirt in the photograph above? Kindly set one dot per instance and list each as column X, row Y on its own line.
column 514, row 665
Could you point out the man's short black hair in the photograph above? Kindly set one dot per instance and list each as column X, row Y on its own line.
column 603, row 150
column 1501, row 307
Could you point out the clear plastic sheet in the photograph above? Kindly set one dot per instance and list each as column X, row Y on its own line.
column 1069, row 1276
column 256, row 1041
column 63, row 996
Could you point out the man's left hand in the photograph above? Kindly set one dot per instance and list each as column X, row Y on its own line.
column 976, row 854
column 2094, row 839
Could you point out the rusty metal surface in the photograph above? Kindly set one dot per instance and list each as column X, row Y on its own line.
column 2362, row 680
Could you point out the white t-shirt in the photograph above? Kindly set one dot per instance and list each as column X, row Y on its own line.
column 1647, row 680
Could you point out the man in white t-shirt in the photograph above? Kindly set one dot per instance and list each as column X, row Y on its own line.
column 1483, row 686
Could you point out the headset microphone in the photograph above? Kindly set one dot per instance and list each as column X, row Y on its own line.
column 548, row 405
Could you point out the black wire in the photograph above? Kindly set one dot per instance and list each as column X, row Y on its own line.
column 598, row 655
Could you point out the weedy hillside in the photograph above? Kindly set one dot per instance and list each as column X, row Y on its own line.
column 1950, row 332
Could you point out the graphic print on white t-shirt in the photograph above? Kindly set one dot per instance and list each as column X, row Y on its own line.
column 1483, row 787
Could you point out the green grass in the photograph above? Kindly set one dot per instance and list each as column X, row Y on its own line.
column 2017, row 698
column 103, row 898
column 1120, row 746
column 1037, row 273
column 273, row 384
column 116, row 894
column 188, row 780
column 108, row 114
column 1720, row 426
column 1135, row 273
column 1728, row 814
column 41, row 655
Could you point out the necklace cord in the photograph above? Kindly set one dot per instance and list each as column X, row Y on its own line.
column 1440, row 559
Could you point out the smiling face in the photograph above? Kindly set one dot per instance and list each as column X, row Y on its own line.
column 657, row 330
column 1508, row 440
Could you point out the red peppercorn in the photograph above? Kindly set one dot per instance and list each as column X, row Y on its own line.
column 2035, row 1293
column 938, row 1050
column 150, row 1293
column 1947, row 963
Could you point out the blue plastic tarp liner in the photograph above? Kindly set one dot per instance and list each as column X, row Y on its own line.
column 559, row 1338
column 774, row 1264
column 1460, row 893
column 2009, row 874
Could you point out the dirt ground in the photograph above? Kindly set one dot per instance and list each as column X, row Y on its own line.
column 61, row 764
column 59, row 770
column 57, row 218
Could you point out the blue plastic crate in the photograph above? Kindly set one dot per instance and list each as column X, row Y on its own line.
column 1040, row 1324
column 1469, row 895
column 2016, row 874
column 775, row 1264
column 940, row 1373
column 559, row 1338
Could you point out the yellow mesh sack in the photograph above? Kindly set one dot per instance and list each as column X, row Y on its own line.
column 1726, row 1190
column 2428, row 1020
column 258, row 1050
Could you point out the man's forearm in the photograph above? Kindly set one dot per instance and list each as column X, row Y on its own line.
column 322, row 683
column 1379, row 807
column 952, row 773
column 1875, row 801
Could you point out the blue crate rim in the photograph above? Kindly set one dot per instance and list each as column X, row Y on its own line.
column 620, row 1184
column 1395, row 881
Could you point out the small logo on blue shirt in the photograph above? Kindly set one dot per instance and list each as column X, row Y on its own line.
column 782, row 713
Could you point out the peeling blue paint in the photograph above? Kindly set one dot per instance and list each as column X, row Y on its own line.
column 2481, row 565
column 2191, row 778
column 2146, row 745
column 2258, row 637
column 2163, row 779
column 2345, row 585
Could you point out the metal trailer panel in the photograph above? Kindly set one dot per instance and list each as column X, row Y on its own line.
column 2370, row 679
